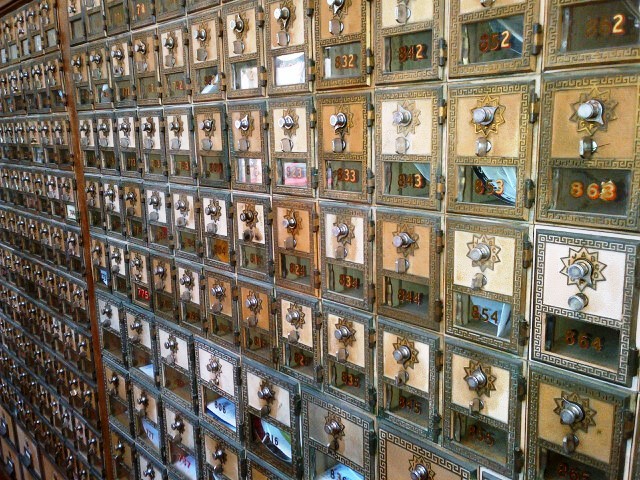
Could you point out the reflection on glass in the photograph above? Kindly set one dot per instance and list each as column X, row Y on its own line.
column 249, row 170
column 290, row 69
column 245, row 75
column 410, row 51
column 342, row 61
column 209, row 80
column 492, row 40
column 292, row 173
column 483, row 315
column 344, row 176
column 407, row 179
column 276, row 441
column 488, row 185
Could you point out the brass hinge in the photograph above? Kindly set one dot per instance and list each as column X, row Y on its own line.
column 223, row 82
column 313, row 118
column 442, row 111
column 269, row 217
column 440, row 188
column 234, row 293
column 371, row 231
column 273, row 306
column 311, row 70
column 263, row 77
column 369, row 61
column 439, row 360
column 518, row 459
column 371, row 181
column 260, row 17
column 634, row 361
column 319, row 374
column 628, row 424
column 371, row 114
column 371, row 294
column 372, row 338
column 522, row 388
column 275, row 355
column 439, row 240
column 232, row 258
column 534, row 108
column 265, row 122
column 442, row 52
column 318, row 320
column 315, row 220
column 309, row 8
column 536, row 46
column 523, row 333
column 314, row 178
column 156, row 43
column 527, row 253
column 438, row 310
column 271, row 269
column 530, row 193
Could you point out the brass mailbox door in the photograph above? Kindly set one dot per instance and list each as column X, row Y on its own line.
column 272, row 418
column 576, row 426
column 142, row 13
column 293, row 168
column 163, row 279
column 108, row 148
column 173, row 57
column 141, row 346
column 403, row 458
column 221, row 456
column 221, row 305
column 120, row 53
column 76, row 13
column 490, row 149
column 99, row 261
column 337, row 440
column 408, row 160
column 159, row 217
column 299, row 324
column 344, row 146
column 205, row 56
column 249, row 151
column 80, row 74
column 482, row 406
column 243, row 52
column 409, row 362
column 296, row 244
column 134, row 213
column 113, row 206
column 342, row 43
column 346, row 241
column 139, row 268
column 589, row 151
column 219, row 392
column 591, row 33
column 49, row 26
column 88, row 143
column 254, row 236
column 348, row 356
column 486, row 280
column 117, row 16
column 183, row 165
column 408, row 267
column 122, row 453
column 217, row 228
column 147, row 416
column 167, row 9
column 190, row 287
column 182, row 447
column 117, row 385
column 493, row 37
column 287, row 38
column 119, row 268
column 127, row 135
column 256, row 308
column 98, row 59
column 145, row 66
column 152, row 145
column 211, row 149
column 409, row 41
column 188, row 229
column 586, row 302
column 175, row 360
column 94, row 19
column 111, row 334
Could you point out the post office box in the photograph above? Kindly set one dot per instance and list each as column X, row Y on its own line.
column 50, row 471
column 342, row 43
column 183, row 165
column 576, row 427
column 89, row 445
column 348, row 355
column 490, row 143
column 98, row 58
column 152, row 144
column 159, row 217
column 220, row 455
column 20, row 24
column 167, row 9
column 344, row 146
column 118, row 268
column 216, row 219
column 7, row 425
column 73, row 254
column 256, row 311
column 408, row 166
column 493, row 37
column 293, row 124
column 254, row 236
column 346, row 238
column 299, row 323
column 79, row 297
column 486, row 280
column 145, row 62
column 272, row 418
column 61, row 137
column 34, row 28
column 113, row 193
column 81, row 78
column 110, row 318
column 221, row 310
column 595, row 33
column 336, row 439
column 149, row 467
column 128, row 146
column 11, row 462
column 183, row 449
column 67, row 187
column 40, row 77
column 120, row 54
column 141, row 276
column 211, row 145
column 163, row 279
column 406, row 458
column 142, row 13
column 95, row 200
column 134, row 212
column 296, row 245
column 482, row 406
column 219, row 395
column 175, row 360
column 100, row 263
column 94, row 19
column 579, row 182
column 173, row 57
column 287, row 37
column 49, row 25
column 48, row 155
column 75, row 9
column 190, row 290
column 249, row 161
column 41, row 143
column 409, row 362
column 258, row 470
column 148, row 420
column 408, row 267
column 19, row 106
column 584, row 313
column 118, row 388
column 105, row 137
column 29, row 88
column 205, row 55
column 243, row 27
column 123, row 454
column 116, row 16
column 139, row 330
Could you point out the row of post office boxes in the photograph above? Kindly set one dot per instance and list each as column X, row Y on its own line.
column 41, row 142
column 344, row 44
column 29, row 31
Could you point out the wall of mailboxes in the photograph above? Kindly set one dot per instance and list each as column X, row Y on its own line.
column 339, row 239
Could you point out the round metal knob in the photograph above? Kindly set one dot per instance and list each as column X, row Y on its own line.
column 420, row 472
column 140, row 47
column 169, row 42
column 265, row 393
column 96, row 58
column 211, row 209
column 237, row 24
column 246, row 216
column 181, row 205
column 287, row 122
column 147, row 127
column 480, row 252
column 483, row 115
column 332, row 427
column 217, row 291
column 402, row 354
column 281, row 13
column 402, row 240
column 174, row 126
column 107, row 311
column 476, row 380
column 579, row 269
column 130, row 197
column 160, row 271
column 289, row 222
column 335, row 3
column 243, row 123
column 343, row 332
column 206, row 125
column 339, row 120
column 117, row 54
column 251, row 302
column 178, row 425
column 401, row 118
column 154, row 200
column 578, row 301
column 213, row 366
column 201, row 34
column 340, row 230
column 125, row 127
column 143, row 400
column 590, row 110
column 149, row 472
column 292, row 316
column 185, row 280
column 571, row 413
